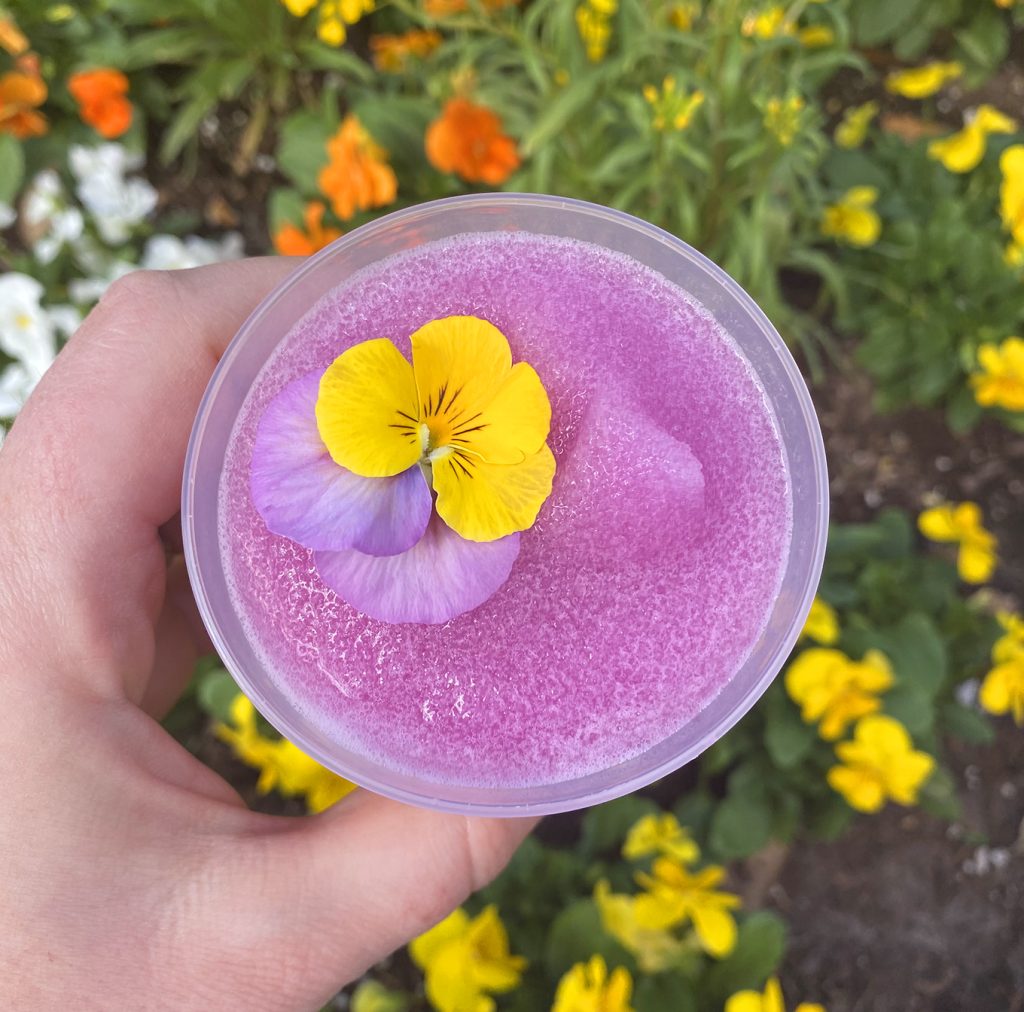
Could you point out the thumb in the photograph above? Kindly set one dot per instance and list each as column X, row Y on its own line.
column 357, row 882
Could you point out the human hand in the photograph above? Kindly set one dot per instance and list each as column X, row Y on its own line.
column 132, row 875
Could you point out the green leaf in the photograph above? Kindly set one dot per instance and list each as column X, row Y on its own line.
column 558, row 113
column 846, row 169
column 963, row 412
column 831, row 818
column 605, row 827
column 912, row 707
column 939, row 796
column 302, row 151
column 967, row 723
column 164, row 45
column 12, row 168
column 985, row 42
column 694, row 811
column 760, row 945
column 663, row 992
column 576, row 935
column 786, row 737
column 740, row 826
column 372, row 996
column 185, row 124
column 216, row 692
column 918, row 653
column 877, row 21
column 286, row 207
column 317, row 56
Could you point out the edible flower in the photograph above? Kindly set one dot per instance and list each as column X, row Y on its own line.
column 333, row 16
column 822, row 623
column 1000, row 381
column 836, row 690
column 683, row 15
column 920, row 82
column 393, row 53
column 852, row 219
column 672, row 108
column 816, row 36
column 12, row 39
column 443, row 8
column 283, row 766
column 675, row 896
column 21, row 93
column 770, row 23
column 464, row 960
column 588, row 987
column 292, row 241
column 1011, row 200
column 660, row 834
column 769, row 1000
column 782, row 118
column 963, row 151
column 960, row 523
column 594, row 24
column 628, row 918
column 853, row 127
column 1002, row 691
column 467, row 139
column 344, row 462
column 102, row 102
column 357, row 177
column 879, row 764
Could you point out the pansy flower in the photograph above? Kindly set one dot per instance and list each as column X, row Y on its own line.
column 410, row 482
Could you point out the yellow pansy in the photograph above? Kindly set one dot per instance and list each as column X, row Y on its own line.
column 1000, row 381
column 961, row 524
column 464, row 960
column 879, row 764
column 770, row 1000
column 1002, row 691
column 835, row 689
column 964, row 150
column 461, row 411
column 300, row 8
column 672, row 108
column 283, row 766
column 588, row 987
column 1011, row 644
column 852, row 219
column 920, row 82
column 767, row 24
column 816, row 36
column 822, row 623
column 853, row 127
column 627, row 919
column 1011, row 191
column 660, row 834
column 676, row 896
column 782, row 118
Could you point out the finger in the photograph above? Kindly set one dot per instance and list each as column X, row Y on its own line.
column 352, row 885
column 93, row 465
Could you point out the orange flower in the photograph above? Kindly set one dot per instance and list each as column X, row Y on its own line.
column 391, row 52
column 442, row 8
column 466, row 139
column 100, row 95
column 291, row 241
column 20, row 93
column 11, row 38
column 358, row 176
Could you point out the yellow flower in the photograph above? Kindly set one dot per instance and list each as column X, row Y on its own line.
column 677, row 896
column 767, row 24
column 672, row 108
column 1002, row 691
column 853, row 219
column 464, row 960
column 782, row 118
column 682, row 15
column 588, row 987
column 920, row 82
column 822, row 623
column 300, row 8
column 853, row 127
column 835, row 689
column 880, row 763
column 1011, row 192
column 961, row 523
column 1000, row 383
column 963, row 151
column 660, row 834
column 816, row 36
column 770, row 1000
column 283, row 766
column 1010, row 645
column 461, row 410
column 332, row 17
column 12, row 39
column 627, row 920
column 594, row 23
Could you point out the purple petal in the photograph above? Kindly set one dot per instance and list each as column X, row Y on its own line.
column 303, row 495
column 440, row 577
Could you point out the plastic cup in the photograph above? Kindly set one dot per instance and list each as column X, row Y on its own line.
column 758, row 341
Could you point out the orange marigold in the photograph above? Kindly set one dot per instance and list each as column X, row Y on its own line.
column 12, row 38
column 358, row 176
column 20, row 93
column 291, row 241
column 391, row 53
column 102, row 104
column 466, row 139
column 443, row 8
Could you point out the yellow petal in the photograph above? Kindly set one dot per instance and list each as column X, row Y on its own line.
column 459, row 363
column 428, row 946
column 906, row 775
column 992, row 121
column 484, row 502
column 366, row 410
column 960, row 152
column 716, row 930
column 975, row 562
column 937, row 524
column 861, row 789
column 773, row 1000
column 515, row 423
column 995, row 694
column 745, row 1001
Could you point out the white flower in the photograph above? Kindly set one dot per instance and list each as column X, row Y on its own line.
column 86, row 291
column 48, row 220
column 116, row 204
column 8, row 216
column 168, row 252
column 26, row 331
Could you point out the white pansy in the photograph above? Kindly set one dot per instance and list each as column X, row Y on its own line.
column 8, row 216
column 168, row 252
column 86, row 291
column 117, row 204
column 48, row 220
column 26, row 331
column 16, row 383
